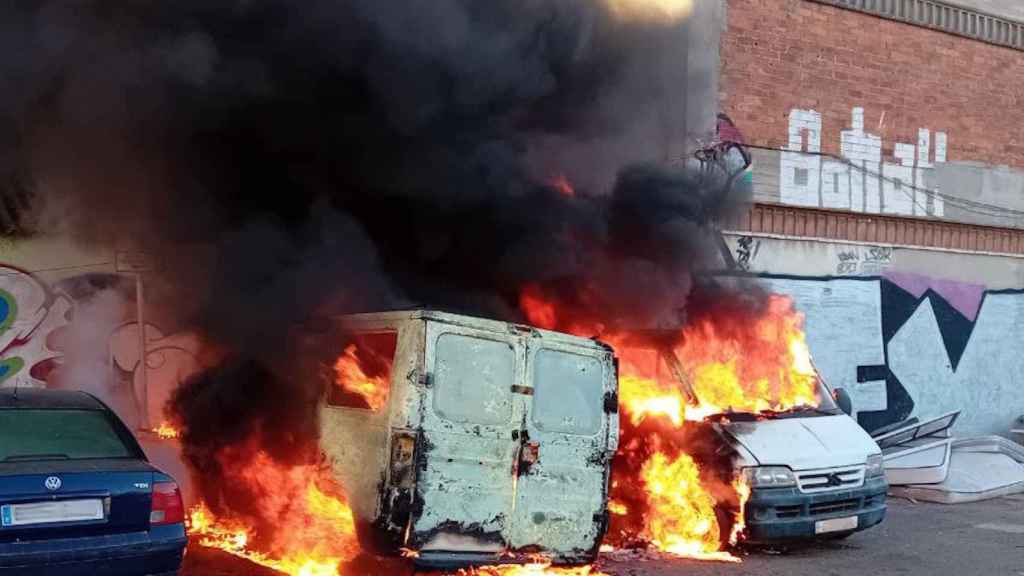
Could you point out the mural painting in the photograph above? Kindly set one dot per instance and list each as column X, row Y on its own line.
column 907, row 345
column 48, row 338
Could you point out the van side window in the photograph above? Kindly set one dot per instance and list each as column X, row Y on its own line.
column 568, row 392
column 473, row 379
column 362, row 371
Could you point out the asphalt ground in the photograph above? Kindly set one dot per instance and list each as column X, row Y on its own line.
column 916, row 538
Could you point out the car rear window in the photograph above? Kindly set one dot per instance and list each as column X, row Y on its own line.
column 35, row 434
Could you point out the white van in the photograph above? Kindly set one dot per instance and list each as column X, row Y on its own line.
column 813, row 472
column 463, row 440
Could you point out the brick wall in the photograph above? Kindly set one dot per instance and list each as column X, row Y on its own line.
column 783, row 55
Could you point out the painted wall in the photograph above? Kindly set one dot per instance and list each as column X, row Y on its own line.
column 908, row 332
column 906, row 107
column 810, row 257
column 862, row 182
column 68, row 320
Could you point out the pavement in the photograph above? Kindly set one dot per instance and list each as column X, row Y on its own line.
column 916, row 538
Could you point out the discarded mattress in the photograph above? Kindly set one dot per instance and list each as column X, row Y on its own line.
column 922, row 461
column 972, row 476
column 913, row 430
column 990, row 444
column 917, row 452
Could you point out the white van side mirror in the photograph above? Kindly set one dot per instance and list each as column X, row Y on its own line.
column 843, row 400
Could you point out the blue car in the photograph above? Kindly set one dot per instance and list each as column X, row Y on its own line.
column 77, row 495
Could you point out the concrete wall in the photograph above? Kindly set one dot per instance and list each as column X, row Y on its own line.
column 910, row 332
column 704, row 30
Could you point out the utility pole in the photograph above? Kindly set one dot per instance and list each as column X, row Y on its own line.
column 138, row 263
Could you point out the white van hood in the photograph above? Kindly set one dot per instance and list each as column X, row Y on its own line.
column 809, row 443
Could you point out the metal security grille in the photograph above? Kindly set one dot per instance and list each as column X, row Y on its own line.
column 942, row 16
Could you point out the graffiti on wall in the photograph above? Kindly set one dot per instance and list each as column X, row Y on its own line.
column 169, row 360
column 747, row 248
column 906, row 345
column 845, row 259
column 857, row 260
column 863, row 182
column 42, row 326
column 32, row 318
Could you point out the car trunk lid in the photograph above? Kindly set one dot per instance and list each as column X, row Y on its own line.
column 68, row 498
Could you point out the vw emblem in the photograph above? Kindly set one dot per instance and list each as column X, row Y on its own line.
column 52, row 483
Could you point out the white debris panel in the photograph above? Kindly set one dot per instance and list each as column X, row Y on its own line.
column 925, row 462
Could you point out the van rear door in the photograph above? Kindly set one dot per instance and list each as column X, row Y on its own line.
column 470, row 438
column 571, row 436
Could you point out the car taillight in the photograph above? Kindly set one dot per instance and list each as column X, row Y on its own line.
column 403, row 453
column 167, row 505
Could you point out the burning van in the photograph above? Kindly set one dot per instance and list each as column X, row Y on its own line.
column 811, row 470
column 462, row 440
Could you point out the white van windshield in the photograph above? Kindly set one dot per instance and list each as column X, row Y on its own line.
column 822, row 404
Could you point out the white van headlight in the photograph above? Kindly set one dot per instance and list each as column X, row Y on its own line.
column 769, row 477
column 875, row 466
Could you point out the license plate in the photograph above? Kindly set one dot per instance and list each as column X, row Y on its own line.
column 835, row 525
column 51, row 512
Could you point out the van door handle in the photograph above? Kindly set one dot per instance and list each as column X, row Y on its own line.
column 525, row 390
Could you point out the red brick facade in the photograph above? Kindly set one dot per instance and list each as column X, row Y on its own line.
column 778, row 55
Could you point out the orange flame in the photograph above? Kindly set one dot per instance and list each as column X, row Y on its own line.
column 313, row 535
column 743, row 491
column 563, row 186
column 166, row 431
column 751, row 360
column 537, row 309
column 682, row 513
column 351, row 377
column 762, row 365
column 643, row 397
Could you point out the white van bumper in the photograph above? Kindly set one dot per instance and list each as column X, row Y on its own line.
column 779, row 514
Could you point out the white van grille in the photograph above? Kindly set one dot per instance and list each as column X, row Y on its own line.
column 830, row 479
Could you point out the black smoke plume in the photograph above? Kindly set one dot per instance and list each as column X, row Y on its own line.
column 290, row 159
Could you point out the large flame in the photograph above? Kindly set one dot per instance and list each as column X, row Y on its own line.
column 682, row 512
column 643, row 397
column 352, row 378
column 751, row 359
column 764, row 365
column 760, row 365
column 313, row 536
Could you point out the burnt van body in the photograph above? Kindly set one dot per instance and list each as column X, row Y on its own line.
column 464, row 440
